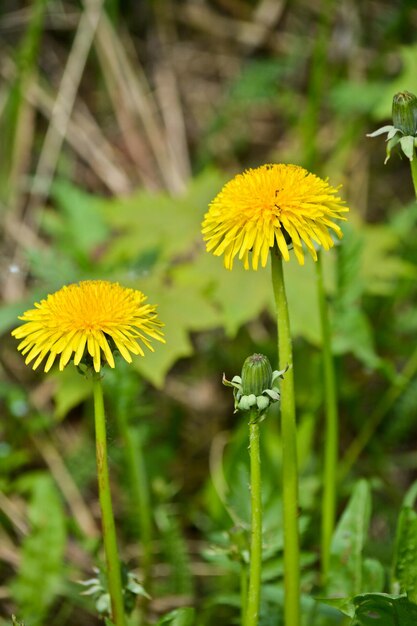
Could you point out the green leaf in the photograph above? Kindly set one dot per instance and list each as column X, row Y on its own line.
column 381, row 266
column 175, row 550
column 405, row 552
column 349, row 97
column 300, row 284
column 258, row 82
column 380, row 608
column 179, row 617
column 352, row 330
column 405, row 80
column 346, row 570
column 373, row 575
column 53, row 267
column 182, row 310
column 71, row 389
column 238, row 295
column 171, row 225
column 41, row 569
column 81, row 228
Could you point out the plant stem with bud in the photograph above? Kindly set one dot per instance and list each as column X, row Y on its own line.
column 254, row 590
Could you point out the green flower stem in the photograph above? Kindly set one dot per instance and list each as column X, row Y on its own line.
column 389, row 397
column 331, row 435
column 109, row 531
column 254, row 591
column 139, row 487
column 289, row 450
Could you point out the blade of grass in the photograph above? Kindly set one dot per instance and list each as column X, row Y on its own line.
column 84, row 136
column 14, row 109
column 68, row 487
column 65, row 99
column 131, row 95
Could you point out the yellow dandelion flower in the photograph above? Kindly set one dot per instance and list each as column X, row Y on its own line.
column 283, row 205
column 85, row 317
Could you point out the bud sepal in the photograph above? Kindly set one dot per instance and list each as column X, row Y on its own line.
column 257, row 388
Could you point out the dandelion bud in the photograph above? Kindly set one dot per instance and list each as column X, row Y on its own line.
column 257, row 388
column 404, row 112
column 256, row 375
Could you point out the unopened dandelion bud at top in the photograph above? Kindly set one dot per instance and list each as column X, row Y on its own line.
column 256, row 375
column 404, row 112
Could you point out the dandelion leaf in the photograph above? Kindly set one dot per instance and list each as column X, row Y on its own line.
column 384, row 609
column 69, row 393
column 182, row 310
column 351, row 328
column 345, row 575
column 300, row 284
column 41, row 570
column 237, row 296
column 80, row 227
column 169, row 224
column 179, row 617
column 405, row 554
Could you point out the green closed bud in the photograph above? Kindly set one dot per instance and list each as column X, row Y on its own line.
column 256, row 375
column 404, row 112
column 257, row 388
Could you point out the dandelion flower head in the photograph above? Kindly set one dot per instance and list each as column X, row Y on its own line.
column 283, row 205
column 92, row 318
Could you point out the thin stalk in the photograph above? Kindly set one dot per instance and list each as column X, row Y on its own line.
column 331, row 435
column 139, row 487
column 389, row 397
column 289, row 450
column 109, row 531
column 254, row 591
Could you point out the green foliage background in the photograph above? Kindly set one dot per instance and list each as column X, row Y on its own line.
column 170, row 99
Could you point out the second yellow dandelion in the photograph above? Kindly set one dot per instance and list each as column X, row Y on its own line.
column 273, row 204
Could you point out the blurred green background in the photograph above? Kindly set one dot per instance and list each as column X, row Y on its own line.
column 119, row 122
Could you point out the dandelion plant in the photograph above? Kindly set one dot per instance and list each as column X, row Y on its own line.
column 87, row 322
column 266, row 211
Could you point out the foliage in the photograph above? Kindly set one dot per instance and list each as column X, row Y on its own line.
column 172, row 100
column 392, row 610
column 350, row 572
column 42, row 551
column 98, row 588
column 178, row 617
